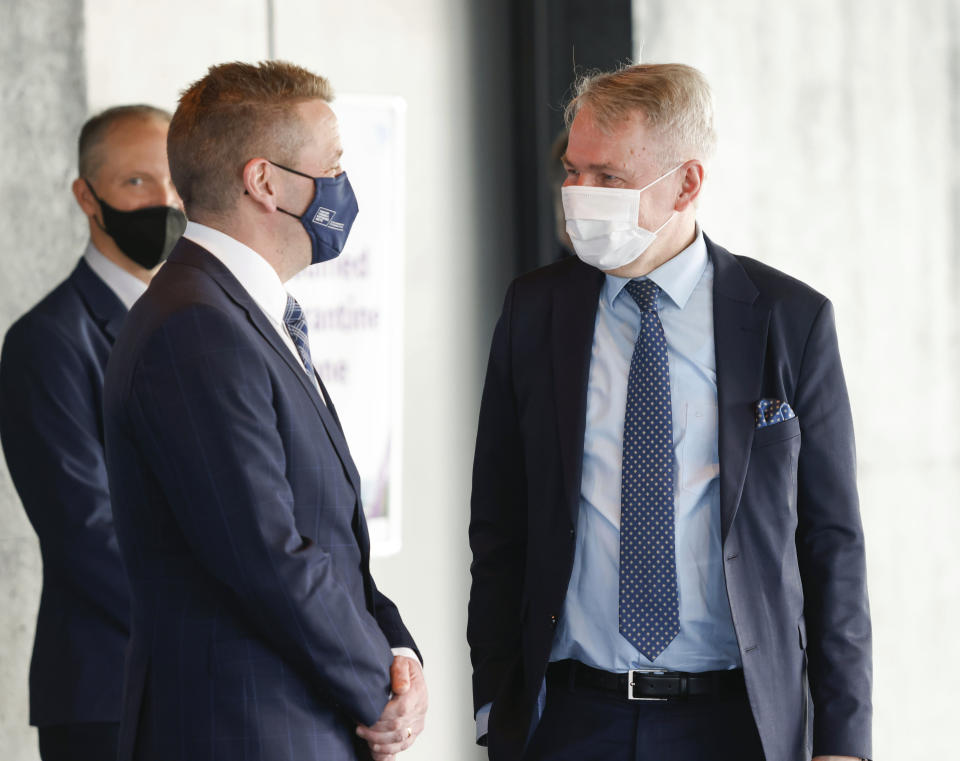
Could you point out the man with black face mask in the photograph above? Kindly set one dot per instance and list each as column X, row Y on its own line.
column 51, row 381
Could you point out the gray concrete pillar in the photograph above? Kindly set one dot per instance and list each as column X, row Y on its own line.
column 43, row 102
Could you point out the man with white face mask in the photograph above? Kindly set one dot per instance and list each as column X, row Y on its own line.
column 668, row 555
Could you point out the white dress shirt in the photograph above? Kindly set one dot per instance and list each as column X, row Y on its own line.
column 255, row 274
column 127, row 287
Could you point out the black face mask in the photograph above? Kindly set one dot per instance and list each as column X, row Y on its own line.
column 145, row 235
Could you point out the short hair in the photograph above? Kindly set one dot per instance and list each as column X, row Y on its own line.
column 93, row 132
column 674, row 98
column 236, row 112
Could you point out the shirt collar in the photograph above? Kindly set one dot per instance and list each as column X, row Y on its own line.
column 253, row 272
column 127, row 287
column 677, row 276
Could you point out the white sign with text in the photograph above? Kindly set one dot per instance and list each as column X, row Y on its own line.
column 354, row 309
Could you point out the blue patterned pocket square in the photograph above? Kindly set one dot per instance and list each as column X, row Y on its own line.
column 771, row 412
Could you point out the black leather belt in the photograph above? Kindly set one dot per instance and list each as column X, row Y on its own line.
column 652, row 684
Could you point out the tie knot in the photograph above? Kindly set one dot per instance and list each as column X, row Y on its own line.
column 293, row 314
column 645, row 293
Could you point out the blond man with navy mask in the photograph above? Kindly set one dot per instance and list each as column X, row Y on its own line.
column 668, row 558
column 257, row 629
column 51, row 382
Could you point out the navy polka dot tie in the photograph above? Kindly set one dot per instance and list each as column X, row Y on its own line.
column 297, row 328
column 649, row 602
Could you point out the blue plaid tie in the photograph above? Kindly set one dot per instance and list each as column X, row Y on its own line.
column 649, row 602
column 297, row 328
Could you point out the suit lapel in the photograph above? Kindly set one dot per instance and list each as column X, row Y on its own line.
column 574, row 313
column 189, row 253
column 740, row 333
column 105, row 306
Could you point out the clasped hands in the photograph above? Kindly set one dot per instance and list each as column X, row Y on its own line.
column 402, row 718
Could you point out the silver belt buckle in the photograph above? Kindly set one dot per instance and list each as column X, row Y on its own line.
column 631, row 684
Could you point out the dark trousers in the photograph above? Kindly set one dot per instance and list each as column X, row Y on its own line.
column 583, row 724
column 79, row 742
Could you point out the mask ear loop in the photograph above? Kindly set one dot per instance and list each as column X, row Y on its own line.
column 662, row 176
column 246, row 193
column 99, row 201
column 657, row 231
column 669, row 219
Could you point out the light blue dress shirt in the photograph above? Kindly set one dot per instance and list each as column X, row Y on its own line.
column 588, row 629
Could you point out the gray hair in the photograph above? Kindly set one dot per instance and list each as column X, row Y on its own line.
column 675, row 100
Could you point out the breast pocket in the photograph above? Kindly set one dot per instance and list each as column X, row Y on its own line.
column 774, row 434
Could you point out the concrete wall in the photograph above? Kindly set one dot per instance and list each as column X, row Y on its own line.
column 839, row 162
column 43, row 102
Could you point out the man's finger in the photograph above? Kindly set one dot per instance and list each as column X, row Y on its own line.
column 392, row 736
column 391, row 743
column 400, row 675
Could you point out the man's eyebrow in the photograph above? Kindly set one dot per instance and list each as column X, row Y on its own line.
column 595, row 167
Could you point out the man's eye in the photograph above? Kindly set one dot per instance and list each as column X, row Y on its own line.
column 571, row 172
column 136, row 181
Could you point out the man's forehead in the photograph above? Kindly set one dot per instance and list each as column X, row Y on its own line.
column 134, row 128
column 625, row 140
column 316, row 111
column 129, row 140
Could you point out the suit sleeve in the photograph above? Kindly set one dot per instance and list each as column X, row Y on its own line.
column 498, row 524
column 201, row 405
column 390, row 623
column 51, row 423
column 831, row 551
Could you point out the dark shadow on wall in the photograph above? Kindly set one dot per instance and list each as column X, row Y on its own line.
column 526, row 55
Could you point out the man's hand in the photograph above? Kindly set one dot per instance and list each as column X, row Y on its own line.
column 402, row 718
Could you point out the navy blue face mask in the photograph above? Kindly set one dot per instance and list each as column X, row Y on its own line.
column 330, row 215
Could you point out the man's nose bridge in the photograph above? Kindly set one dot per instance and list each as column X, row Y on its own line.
column 170, row 195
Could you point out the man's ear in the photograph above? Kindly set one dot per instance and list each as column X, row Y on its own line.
column 691, row 184
column 85, row 200
column 260, row 183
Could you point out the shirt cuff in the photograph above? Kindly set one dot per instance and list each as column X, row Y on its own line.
column 406, row 652
column 483, row 720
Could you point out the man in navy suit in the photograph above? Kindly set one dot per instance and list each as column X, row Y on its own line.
column 668, row 559
column 257, row 629
column 51, row 382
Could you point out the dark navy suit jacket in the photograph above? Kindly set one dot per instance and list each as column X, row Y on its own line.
column 51, row 382
column 790, row 526
column 257, row 630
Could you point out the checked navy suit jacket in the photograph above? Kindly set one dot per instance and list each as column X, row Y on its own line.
column 51, row 382
column 257, row 630
column 790, row 523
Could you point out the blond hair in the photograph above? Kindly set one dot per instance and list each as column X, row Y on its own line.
column 237, row 112
column 674, row 98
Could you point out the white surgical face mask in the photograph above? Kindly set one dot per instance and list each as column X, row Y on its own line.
column 602, row 223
